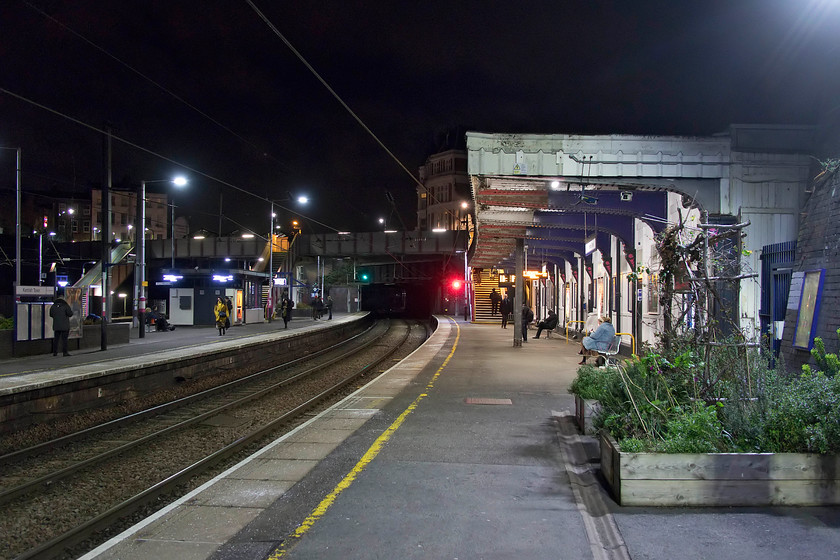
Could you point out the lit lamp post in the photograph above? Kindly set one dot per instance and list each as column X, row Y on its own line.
column 271, row 296
column 271, row 263
column 122, row 296
column 140, row 262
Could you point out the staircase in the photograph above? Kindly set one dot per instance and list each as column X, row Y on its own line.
column 483, row 284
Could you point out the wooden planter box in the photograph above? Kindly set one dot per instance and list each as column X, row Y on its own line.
column 719, row 479
column 585, row 410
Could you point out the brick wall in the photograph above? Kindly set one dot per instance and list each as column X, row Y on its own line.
column 818, row 247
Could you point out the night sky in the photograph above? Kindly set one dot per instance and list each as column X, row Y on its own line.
column 209, row 86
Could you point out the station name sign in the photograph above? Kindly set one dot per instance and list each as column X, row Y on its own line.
column 590, row 245
column 35, row 291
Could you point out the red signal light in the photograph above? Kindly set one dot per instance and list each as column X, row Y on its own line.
column 456, row 284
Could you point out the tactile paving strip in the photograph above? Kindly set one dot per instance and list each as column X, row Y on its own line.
column 482, row 400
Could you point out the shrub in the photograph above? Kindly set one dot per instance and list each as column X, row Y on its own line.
column 592, row 382
column 670, row 403
column 694, row 431
column 800, row 415
column 7, row 323
column 828, row 364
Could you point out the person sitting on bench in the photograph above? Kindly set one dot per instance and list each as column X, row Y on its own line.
column 549, row 323
column 161, row 324
column 598, row 341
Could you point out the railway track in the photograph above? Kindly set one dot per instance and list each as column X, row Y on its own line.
column 135, row 460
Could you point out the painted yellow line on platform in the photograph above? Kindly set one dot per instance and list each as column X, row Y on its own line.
column 371, row 453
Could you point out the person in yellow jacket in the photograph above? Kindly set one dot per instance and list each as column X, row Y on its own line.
column 221, row 311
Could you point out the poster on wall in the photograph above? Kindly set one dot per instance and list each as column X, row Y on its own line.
column 653, row 294
column 602, row 300
column 809, row 304
column 73, row 297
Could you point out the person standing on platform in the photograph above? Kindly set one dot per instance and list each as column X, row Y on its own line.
column 60, row 313
column 527, row 318
column 506, row 308
column 220, row 311
column 286, row 306
column 329, row 307
column 495, row 300
column 229, row 305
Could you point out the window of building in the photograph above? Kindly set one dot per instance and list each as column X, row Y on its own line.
column 86, row 226
column 75, row 227
column 86, row 211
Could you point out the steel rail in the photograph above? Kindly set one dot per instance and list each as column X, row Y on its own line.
column 84, row 531
column 29, row 486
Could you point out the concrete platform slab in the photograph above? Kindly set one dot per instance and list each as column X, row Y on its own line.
column 275, row 469
column 243, row 493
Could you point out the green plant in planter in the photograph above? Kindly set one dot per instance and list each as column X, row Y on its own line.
column 696, row 430
column 828, row 364
column 693, row 430
column 592, row 382
column 801, row 415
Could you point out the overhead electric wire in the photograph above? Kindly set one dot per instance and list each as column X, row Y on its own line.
column 153, row 82
column 161, row 156
column 210, row 118
column 341, row 101
column 330, row 89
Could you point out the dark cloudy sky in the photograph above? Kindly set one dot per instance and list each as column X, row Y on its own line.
column 261, row 122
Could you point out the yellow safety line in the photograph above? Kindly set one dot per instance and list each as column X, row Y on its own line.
column 371, row 453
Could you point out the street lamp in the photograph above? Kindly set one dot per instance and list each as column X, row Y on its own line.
column 140, row 266
column 272, row 299
column 178, row 182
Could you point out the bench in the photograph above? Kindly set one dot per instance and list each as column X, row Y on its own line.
column 608, row 357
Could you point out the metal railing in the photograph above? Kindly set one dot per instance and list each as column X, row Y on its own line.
column 567, row 328
column 632, row 340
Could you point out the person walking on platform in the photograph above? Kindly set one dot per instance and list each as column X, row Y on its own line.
column 599, row 340
column 549, row 323
column 229, row 305
column 329, row 305
column 60, row 313
column 506, row 308
column 495, row 300
column 286, row 306
column 527, row 318
column 317, row 307
column 220, row 311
